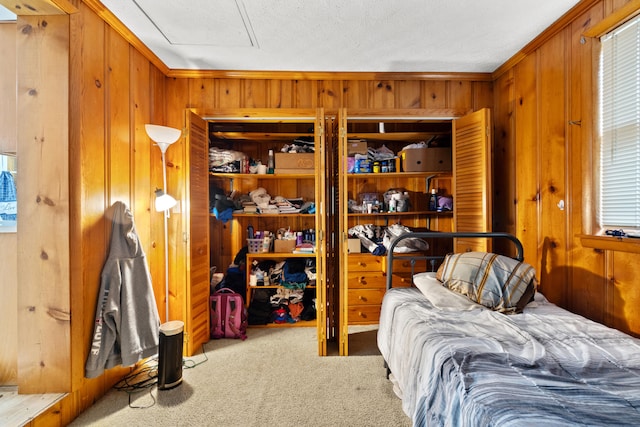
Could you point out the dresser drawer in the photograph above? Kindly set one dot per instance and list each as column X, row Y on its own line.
column 365, row 262
column 367, row 279
column 400, row 280
column 404, row 266
column 366, row 296
column 364, row 314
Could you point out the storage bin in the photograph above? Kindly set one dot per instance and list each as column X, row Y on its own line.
column 426, row 159
column 295, row 161
column 256, row 246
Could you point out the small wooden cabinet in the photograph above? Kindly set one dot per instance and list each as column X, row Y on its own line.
column 366, row 287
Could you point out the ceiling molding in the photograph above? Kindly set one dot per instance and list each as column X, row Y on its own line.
column 617, row 18
column 39, row 7
column 326, row 75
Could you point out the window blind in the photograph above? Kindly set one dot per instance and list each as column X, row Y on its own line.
column 620, row 128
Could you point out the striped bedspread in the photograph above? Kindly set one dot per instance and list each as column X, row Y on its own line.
column 458, row 364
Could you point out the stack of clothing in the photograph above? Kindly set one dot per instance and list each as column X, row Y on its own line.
column 227, row 161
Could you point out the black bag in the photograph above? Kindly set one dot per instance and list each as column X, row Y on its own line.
column 260, row 307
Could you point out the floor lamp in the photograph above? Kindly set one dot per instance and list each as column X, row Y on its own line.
column 164, row 136
column 171, row 333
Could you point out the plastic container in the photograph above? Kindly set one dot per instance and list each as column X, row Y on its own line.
column 271, row 163
column 433, row 200
column 255, row 246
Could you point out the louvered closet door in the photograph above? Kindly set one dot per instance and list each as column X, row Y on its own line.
column 343, row 225
column 321, row 234
column 472, row 178
column 197, row 217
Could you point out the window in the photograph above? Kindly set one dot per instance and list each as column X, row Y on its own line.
column 8, row 203
column 619, row 194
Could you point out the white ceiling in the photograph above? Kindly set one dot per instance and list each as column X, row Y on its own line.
column 337, row 35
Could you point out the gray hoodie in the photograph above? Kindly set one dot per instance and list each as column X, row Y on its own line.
column 127, row 324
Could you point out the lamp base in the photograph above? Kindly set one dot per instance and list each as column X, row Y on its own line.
column 170, row 354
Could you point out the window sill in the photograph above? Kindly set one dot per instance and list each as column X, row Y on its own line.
column 611, row 243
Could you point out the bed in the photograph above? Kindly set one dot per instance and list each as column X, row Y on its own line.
column 455, row 362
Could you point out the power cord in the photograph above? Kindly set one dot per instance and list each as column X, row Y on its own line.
column 145, row 377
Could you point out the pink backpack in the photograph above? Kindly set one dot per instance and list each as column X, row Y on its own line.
column 228, row 315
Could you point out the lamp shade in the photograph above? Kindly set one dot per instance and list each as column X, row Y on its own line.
column 164, row 202
column 162, row 135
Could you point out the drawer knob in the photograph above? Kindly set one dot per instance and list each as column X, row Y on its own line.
column 362, row 298
column 361, row 264
column 361, row 314
column 362, row 280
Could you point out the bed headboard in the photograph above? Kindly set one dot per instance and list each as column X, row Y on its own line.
column 391, row 256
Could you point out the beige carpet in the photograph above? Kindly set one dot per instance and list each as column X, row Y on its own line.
column 274, row 378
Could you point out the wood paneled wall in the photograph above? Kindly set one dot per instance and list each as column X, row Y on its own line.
column 114, row 91
column 8, row 88
column 545, row 112
column 8, row 241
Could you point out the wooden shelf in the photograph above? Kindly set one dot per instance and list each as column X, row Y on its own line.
column 611, row 243
column 310, row 175
column 395, row 136
column 259, row 136
column 278, row 215
column 268, row 255
column 300, row 323
column 409, row 213
column 275, row 287
column 383, row 175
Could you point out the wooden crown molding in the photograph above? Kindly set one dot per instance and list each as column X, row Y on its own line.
column 39, row 7
column 617, row 18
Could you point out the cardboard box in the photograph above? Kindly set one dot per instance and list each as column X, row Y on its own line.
column 354, row 246
column 356, row 146
column 284, row 246
column 295, row 161
column 437, row 159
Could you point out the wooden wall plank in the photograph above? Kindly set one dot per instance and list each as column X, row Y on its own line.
column 552, row 80
column 382, row 94
column 176, row 101
column 305, row 94
column 587, row 279
column 624, row 296
column 482, row 95
column 8, row 88
column 280, row 94
column 527, row 180
column 459, row 95
column 434, row 94
column 254, row 93
column 201, row 93
column 504, row 177
column 8, row 241
column 9, row 310
column 331, row 94
column 408, row 94
column 44, row 311
column 227, row 94
column 157, row 115
column 119, row 161
column 140, row 107
column 356, row 94
column 83, row 292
